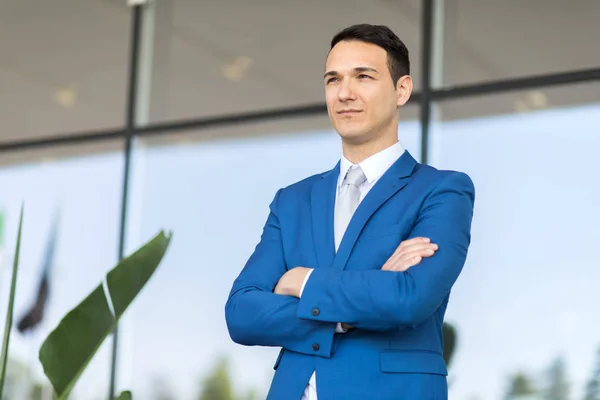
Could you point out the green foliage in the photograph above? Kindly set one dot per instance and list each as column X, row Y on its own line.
column 38, row 392
column 11, row 303
column 70, row 347
column 217, row 385
column 251, row 395
column 126, row 395
column 558, row 387
column 520, row 385
column 449, row 335
column 592, row 390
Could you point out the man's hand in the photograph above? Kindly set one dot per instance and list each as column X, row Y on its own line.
column 291, row 282
column 410, row 253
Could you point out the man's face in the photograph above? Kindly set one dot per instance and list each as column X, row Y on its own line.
column 362, row 100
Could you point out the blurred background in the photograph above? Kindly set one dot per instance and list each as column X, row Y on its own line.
column 120, row 119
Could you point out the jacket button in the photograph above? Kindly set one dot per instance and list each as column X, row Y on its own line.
column 315, row 346
column 315, row 312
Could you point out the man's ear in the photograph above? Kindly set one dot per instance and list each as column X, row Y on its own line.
column 404, row 88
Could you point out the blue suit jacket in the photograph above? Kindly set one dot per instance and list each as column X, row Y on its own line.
column 395, row 350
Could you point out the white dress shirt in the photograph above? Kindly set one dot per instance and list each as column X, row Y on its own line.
column 373, row 168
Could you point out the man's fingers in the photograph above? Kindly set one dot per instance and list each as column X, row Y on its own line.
column 396, row 258
column 409, row 253
column 418, row 246
column 422, row 252
column 422, row 249
column 397, row 262
column 410, row 256
column 411, row 242
column 410, row 263
column 403, row 265
column 415, row 241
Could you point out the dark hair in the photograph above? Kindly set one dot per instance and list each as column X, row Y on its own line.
column 382, row 36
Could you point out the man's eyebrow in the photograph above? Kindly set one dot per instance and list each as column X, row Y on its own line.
column 365, row 69
column 357, row 70
column 330, row 73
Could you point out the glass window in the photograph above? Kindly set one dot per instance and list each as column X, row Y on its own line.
column 491, row 40
column 214, row 195
column 525, row 301
column 518, row 102
column 63, row 67
column 222, row 58
column 78, row 198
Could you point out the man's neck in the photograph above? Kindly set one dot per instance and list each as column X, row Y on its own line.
column 358, row 153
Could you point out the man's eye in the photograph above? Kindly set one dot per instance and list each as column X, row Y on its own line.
column 364, row 76
column 330, row 80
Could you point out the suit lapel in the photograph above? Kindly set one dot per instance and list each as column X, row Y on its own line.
column 322, row 213
column 394, row 179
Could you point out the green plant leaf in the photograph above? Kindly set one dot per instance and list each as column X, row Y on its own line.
column 11, row 303
column 450, row 336
column 126, row 395
column 70, row 347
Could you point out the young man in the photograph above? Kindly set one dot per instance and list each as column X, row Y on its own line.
column 352, row 275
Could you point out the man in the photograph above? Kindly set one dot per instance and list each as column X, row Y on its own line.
column 352, row 275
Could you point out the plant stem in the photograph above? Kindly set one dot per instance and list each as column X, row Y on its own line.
column 9, row 313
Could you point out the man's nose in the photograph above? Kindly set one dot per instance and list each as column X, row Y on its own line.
column 347, row 91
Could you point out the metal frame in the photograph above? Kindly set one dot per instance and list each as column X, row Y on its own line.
column 426, row 67
column 136, row 29
column 425, row 98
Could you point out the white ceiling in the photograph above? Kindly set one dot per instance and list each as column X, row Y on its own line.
column 63, row 63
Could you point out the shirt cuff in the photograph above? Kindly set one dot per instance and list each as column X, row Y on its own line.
column 304, row 283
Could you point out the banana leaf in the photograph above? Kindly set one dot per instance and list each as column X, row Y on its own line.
column 11, row 303
column 70, row 347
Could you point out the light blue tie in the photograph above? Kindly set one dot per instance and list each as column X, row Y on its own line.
column 347, row 201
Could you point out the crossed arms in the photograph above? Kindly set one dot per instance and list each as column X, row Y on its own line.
column 404, row 292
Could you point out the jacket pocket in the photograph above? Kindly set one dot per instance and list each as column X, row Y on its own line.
column 412, row 362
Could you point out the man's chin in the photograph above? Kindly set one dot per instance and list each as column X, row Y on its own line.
column 353, row 136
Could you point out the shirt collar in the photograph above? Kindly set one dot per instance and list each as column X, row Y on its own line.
column 374, row 166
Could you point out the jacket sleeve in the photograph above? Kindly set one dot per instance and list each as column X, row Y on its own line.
column 382, row 300
column 257, row 316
